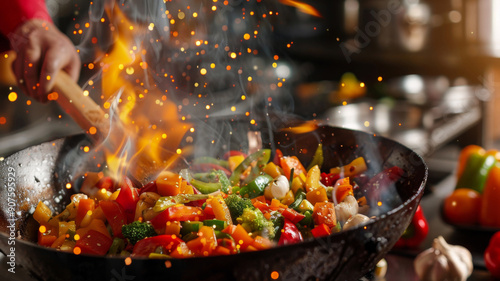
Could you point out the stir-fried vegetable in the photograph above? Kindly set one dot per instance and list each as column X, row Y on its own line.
column 237, row 203
column 137, row 230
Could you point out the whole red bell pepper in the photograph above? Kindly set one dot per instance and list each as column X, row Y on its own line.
column 492, row 255
column 146, row 246
column 290, row 234
column 416, row 232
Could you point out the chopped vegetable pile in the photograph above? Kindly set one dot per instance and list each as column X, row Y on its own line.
column 238, row 203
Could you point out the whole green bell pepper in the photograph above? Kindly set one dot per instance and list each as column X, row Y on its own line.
column 476, row 171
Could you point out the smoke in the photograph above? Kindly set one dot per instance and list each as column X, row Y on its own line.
column 216, row 60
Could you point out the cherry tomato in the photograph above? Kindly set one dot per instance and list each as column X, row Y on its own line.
column 463, row 206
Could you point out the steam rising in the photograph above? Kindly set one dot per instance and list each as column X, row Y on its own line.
column 209, row 64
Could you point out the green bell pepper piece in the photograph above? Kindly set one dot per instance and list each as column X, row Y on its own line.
column 262, row 157
column 206, row 187
column 209, row 187
column 307, row 220
column 117, row 246
column 215, row 224
column 317, row 158
column 190, row 226
column 256, row 187
column 211, row 160
column 476, row 172
column 299, row 196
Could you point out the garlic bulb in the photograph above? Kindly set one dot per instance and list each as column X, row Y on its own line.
column 444, row 262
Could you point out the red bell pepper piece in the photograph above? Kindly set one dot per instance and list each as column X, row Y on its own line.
column 146, row 246
column 115, row 215
column 94, row 243
column 107, row 183
column 277, row 157
column 321, row 230
column 292, row 215
column 149, row 187
column 290, row 234
column 178, row 213
column 329, row 179
column 128, row 198
column 492, row 255
column 289, row 163
column 233, row 153
column 416, row 232
column 84, row 206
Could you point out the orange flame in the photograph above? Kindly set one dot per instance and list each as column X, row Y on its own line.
column 303, row 7
column 145, row 127
column 306, row 127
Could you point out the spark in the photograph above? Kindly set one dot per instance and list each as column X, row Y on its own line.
column 12, row 96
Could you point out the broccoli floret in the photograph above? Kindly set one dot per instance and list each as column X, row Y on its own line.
column 254, row 221
column 236, row 205
column 137, row 230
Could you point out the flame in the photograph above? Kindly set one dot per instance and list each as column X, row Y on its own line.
column 303, row 7
column 306, row 127
column 145, row 127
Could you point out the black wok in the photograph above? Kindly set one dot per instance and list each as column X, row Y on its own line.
column 41, row 173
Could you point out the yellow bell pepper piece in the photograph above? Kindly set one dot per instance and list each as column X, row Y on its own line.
column 288, row 199
column 313, row 177
column 297, row 183
column 173, row 228
column 272, row 170
column 357, row 166
column 42, row 213
column 65, row 226
column 234, row 161
column 317, row 195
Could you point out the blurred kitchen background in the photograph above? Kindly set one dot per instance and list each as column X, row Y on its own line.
column 426, row 73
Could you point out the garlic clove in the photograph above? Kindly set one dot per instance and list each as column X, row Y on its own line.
column 279, row 187
column 346, row 209
column 357, row 219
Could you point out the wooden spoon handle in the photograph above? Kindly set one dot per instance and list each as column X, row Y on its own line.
column 82, row 108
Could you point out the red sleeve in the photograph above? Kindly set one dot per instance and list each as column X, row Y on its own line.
column 15, row 12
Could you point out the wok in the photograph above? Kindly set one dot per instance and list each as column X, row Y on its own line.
column 41, row 173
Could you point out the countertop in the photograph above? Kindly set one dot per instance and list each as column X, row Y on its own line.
column 400, row 262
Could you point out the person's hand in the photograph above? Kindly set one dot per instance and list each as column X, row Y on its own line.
column 42, row 51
